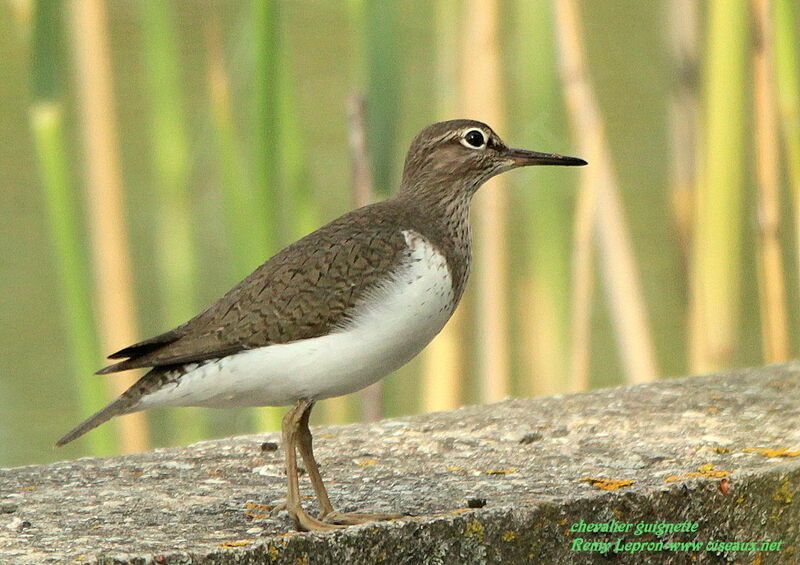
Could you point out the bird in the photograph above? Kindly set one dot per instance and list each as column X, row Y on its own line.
column 333, row 312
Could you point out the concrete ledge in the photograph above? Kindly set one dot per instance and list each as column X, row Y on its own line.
column 721, row 451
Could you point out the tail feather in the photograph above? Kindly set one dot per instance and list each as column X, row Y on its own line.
column 119, row 366
column 121, row 405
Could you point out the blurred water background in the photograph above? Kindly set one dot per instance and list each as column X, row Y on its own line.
column 153, row 153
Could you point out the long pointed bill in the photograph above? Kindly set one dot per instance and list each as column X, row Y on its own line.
column 525, row 158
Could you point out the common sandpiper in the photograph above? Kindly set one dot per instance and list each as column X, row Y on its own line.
column 335, row 311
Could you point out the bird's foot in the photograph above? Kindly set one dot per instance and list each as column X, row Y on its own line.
column 304, row 522
column 355, row 518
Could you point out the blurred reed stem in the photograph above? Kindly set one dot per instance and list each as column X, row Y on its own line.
column 175, row 249
column 113, row 281
column 382, row 56
column 617, row 263
column 297, row 189
column 570, row 65
column 683, row 115
column 357, row 140
column 62, row 205
column 443, row 359
column 244, row 225
column 774, row 332
column 787, row 80
column 545, row 294
column 481, row 87
column 582, row 276
column 716, row 262
column 21, row 13
column 265, row 19
column 265, row 22
column 47, row 121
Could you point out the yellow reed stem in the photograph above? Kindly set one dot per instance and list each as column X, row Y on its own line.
column 109, row 240
column 482, row 94
column 683, row 115
column 774, row 332
column 244, row 224
column 443, row 366
column 716, row 262
column 582, row 284
column 787, row 78
column 617, row 265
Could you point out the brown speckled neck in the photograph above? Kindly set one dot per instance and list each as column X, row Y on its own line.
column 443, row 219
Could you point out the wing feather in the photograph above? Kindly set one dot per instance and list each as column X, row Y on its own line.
column 302, row 292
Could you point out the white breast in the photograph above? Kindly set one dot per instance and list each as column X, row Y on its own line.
column 394, row 323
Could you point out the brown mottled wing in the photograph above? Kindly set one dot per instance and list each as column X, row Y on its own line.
column 300, row 293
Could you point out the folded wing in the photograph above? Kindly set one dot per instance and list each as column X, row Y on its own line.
column 302, row 292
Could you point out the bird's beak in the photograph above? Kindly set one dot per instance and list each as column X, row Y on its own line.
column 525, row 158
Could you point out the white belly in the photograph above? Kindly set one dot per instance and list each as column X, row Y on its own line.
column 392, row 325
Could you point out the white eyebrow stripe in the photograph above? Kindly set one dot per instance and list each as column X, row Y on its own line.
column 485, row 133
column 459, row 135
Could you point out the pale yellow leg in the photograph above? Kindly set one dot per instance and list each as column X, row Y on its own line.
column 291, row 432
column 327, row 513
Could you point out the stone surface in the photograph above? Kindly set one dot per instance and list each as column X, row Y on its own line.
column 721, row 451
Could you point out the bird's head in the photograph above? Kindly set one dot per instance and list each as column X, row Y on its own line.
column 461, row 155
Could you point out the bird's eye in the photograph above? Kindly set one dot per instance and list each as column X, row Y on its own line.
column 474, row 139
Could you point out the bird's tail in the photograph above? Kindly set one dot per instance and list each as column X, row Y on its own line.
column 121, row 405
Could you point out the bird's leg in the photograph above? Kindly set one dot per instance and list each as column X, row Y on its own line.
column 290, row 429
column 304, row 446
column 327, row 513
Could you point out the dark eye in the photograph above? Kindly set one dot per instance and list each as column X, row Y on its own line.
column 474, row 139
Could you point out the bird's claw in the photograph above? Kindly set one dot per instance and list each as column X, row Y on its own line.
column 354, row 518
